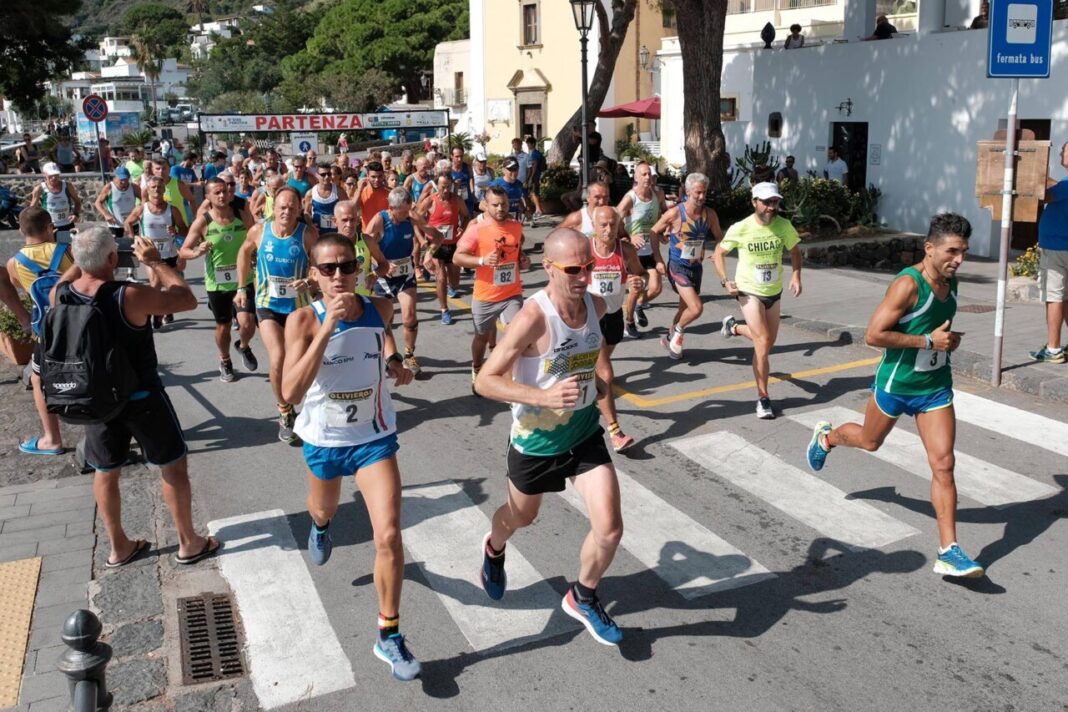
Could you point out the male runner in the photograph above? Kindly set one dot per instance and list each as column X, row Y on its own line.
column 690, row 224
column 60, row 199
column 161, row 223
column 493, row 247
column 368, row 253
column 299, row 178
column 760, row 240
column 348, row 424
column 320, row 202
column 446, row 212
column 175, row 192
column 640, row 209
column 912, row 324
column 418, row 180
column 117, row 200
column 372, row 195
column 582, row 219
column 280, row 249
column 218, row 236
column 545, row 366
column 460, row 173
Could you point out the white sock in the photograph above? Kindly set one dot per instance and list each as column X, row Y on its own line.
column 1054, row 351
column 951, row 545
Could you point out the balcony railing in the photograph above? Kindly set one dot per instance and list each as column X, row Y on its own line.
column 452, row 96
column 739, row 7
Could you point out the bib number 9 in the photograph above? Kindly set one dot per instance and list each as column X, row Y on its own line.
column 928, row 360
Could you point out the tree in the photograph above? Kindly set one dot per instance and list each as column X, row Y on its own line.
column 164, row 26
column 612, row 33
column 148, row 54
column 35, row 45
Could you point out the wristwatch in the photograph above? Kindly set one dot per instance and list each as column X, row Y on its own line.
column 723, row 282
column 394, row 358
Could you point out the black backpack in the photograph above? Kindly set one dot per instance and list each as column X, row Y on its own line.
column 86, row 375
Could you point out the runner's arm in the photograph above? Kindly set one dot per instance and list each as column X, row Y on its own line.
column 187, row 193
column 101, row 203
column 308, row 207
column 196, row 232
column 10, row 296
column 664, row 224
column 796, row 259
column 180, row 228
column 246, row 256
column 719, row 258
column 395, row 367
column 133, row 219
column 900, row 297
column 624, row 206
column 173, row 294
column 494, row 380
column 381, row 263
column 306, row 342
column 75, row 202
column 466, row 247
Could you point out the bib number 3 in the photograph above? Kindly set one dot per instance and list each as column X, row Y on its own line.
column 928, row 360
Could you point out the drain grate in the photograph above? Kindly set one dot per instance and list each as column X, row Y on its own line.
column 976, row 308
column 211, row 641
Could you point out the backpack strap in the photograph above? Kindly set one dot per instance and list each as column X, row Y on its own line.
column 29, row 264
column 57, row 257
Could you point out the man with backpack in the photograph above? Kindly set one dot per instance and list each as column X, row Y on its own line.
column 36, row 268
column 99, row 368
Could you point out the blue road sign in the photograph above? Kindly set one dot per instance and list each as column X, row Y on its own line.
column 95, row 108
column 304, row 146
column 1021, row 35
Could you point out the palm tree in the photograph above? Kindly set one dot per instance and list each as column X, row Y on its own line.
column 198, row 8
column 148, row 53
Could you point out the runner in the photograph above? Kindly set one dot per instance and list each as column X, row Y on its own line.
column 372, row 195
column 640, row 209
column 117, row 200
column 299, row 178
column 175, row 192
column 218, row 236
column 418, row 180
column 493, row 247
column 446, row 212
column 279, row 248
column 460, row 173
column 545, row 367
column 582, row 219
column 399, row 232
column 517, row 196
column 913, row 325
column 406, row 167
column 348, row 424
column 161, row 223
column 368, row 254
column 320, row 202
column 760, row 240
column 262, row 203
column 690, row 224
column 481, row 176
column 239, row 205
column 60, row 199
column 615, row 266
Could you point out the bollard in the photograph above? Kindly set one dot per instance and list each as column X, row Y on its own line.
column 84, row 662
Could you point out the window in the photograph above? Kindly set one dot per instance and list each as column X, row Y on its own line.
column 728, row 109
column 775, row 125
column 458, row 81
column 667, row 15
column 530, row 31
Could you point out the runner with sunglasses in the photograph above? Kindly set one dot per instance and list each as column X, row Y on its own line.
column 760, row 240
column 320, row 202
column 493, row 247
column 545, row 366
column 348, row 424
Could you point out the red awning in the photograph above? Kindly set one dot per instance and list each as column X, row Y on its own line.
column 642, row 109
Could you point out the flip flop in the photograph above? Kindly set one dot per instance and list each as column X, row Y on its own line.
column 208, row 550
column 30, row 448
column 140, row 547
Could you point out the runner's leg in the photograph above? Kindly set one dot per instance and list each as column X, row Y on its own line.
column 938, row 431
column 599, row 489
column 869, row 436
column 518, row 512
column 380, row 486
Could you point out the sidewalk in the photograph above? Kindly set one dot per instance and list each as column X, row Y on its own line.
column 838, row 302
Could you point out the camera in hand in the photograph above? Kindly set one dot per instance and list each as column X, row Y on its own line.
column 127, row 259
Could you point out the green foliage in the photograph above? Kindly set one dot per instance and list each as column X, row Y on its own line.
column 35, row 46
column 462, row 140
column 141, row 138
column 161, row 25
column 1026, row 265
column 732, row 205
column 557, row 180
column 366, row 92
column 864, row 205
column 811, row 202
column 755, row 166
column 9, row 324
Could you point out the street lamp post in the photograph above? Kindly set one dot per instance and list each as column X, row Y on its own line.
column 583, row 11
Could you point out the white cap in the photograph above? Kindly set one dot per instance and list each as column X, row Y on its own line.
column 50, row 169
column 766, row 191
column 480, row 156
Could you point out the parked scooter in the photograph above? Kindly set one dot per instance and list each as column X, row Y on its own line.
column 9, row 209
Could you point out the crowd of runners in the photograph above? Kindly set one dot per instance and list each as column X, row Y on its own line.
column 322, row 261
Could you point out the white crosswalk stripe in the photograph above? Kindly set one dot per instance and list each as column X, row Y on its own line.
column 1015, row 423
column 682, row 552
column 976, row 479
column 793, row 491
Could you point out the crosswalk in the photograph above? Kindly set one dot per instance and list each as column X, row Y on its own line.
column 442, row 529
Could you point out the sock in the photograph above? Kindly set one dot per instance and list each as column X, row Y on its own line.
column 227, row 361
column 285, row 408
column 951, row 545
column 825, row 443
column 320, row 529
column 585, row 594
column 613, row 428
column 408, row 352
column 494, row 553
column 1054, row 351
column 388, row 625
column 678, row 330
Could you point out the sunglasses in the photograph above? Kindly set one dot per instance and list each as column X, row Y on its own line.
column 329, row 269
column 772, row 203
column 572, row 270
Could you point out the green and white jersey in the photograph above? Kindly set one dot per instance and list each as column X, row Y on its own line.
column 913, row 372
column 220, row 268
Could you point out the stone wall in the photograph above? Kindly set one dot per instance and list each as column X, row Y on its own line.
column 883, row 254
column 88, row 185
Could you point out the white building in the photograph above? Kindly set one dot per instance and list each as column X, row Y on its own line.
column 205, row 35
column 111, row 48
column 172, row 78
column 452, row 72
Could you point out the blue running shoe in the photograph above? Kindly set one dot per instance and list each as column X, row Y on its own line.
column 816, row 454
column 954, row 562
column 593, row 615
column 319, row 546
column 643, row 320
column 395, row 653
column 494, row 577
column 453, row 293
column 446, row 317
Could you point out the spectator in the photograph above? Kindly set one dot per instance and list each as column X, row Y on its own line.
column 65, row 155
column 104, row 155
column 794, row 40
column 836, row 168
column 1053, row 263
column 135, row 163
column 149, row 415
column 537, row 167
column 28, row 156
column 787, row 172
column 342, row 144
column 982, row 20
column 217, row 165
column 883, row 29
column 522, row 157
column 183, row 171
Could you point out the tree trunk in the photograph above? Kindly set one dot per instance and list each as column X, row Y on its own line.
column 612, row 34
column 700, row 25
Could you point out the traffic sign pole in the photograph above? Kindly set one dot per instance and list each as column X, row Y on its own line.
column 1007, row 190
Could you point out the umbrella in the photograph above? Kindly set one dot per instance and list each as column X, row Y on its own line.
column 643, row 109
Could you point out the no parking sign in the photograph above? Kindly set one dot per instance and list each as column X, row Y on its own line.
column 304, row 142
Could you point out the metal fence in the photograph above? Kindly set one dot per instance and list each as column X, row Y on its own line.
column 740, row 7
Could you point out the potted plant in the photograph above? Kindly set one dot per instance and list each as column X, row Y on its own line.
column 555, row 181
column 15, row 341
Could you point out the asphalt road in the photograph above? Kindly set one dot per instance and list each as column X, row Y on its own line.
column 743, row 582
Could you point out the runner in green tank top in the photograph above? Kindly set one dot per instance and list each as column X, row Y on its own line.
column 218, row 235
column 913, row 325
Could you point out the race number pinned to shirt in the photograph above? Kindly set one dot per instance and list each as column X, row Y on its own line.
column 606, row 283
column 505, row 274
column 928, row 360
column 278, row 288
column 691, row 249
column 351, row 408
column 326, row 221
column 765, row 274
column 401, row 267
column 226, row 274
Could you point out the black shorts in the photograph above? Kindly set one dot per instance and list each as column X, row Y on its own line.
column 648, row 261
column 263, row 314
column 612, row 327
column 151, row 420
column 534, row 475
column 390, row 287
column 445, row 253
column 768, row 302
column 223, row 308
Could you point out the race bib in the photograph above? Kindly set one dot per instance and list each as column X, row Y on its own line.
column 765, row 274
column 278, row 288
column 161, row 245
column 401, row 267
column 504, row 275
column 226, row 274
column 606, row 283
column 350, row 408
column 928, row 360
column 446, row 232
column 461, row 191
column 326, row 221
column 587, row 389
column 647, row 246
column 691, row 249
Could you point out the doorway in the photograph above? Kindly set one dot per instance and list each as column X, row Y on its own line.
column 530, row 120
column 851, row 140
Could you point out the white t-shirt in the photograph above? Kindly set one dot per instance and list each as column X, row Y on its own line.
column 836, row 170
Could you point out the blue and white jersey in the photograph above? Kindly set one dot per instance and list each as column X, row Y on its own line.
column 279, row 261
column 323, row 210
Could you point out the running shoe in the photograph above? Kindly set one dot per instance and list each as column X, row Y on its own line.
column 453, row 293
column 319, row 546
column 474, row 376
column 643, row 321
column 494, row 577
column 393, row 651
column 631, row 330
column 763, row 409
column 168, row 319
column 621, row 442
column 248, row 359
column 727, row 330
column 226, row 371
column 446, row 317
column 816, row 454
column 1047, row 356
column 236, row 326
column 411, row 364
column 670, row 348
column 285, row 426
column 954, row 562
column 596, row 619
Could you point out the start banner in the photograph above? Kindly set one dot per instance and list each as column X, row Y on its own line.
column 251, row 123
